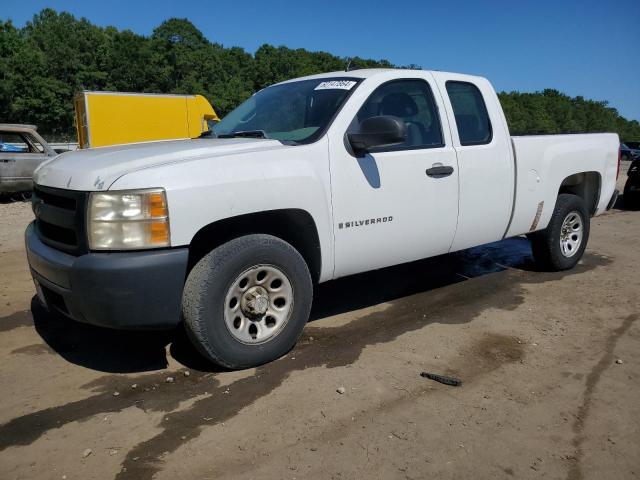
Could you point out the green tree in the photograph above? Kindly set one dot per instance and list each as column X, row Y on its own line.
column 11, row 41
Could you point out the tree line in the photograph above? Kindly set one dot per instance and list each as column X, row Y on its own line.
column 55, row 55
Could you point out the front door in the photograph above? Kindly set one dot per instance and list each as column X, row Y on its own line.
column 395, row 204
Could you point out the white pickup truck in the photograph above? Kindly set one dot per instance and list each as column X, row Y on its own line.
column 308, row 180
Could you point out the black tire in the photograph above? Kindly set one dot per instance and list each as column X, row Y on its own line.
column 631, row 198
column 205, row 293
column 545, row 244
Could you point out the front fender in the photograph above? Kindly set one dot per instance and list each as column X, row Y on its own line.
column 206, row 190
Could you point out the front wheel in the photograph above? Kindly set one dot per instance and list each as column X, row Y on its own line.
column 247, row 301
column 561, row 245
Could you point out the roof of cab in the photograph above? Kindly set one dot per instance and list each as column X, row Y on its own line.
column 363, row 73
column 366, row 73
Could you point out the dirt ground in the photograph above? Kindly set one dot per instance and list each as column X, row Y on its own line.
column 550, row 364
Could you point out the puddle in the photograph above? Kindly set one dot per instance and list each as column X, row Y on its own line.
column 16, row 320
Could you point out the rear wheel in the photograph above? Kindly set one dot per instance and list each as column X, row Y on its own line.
column 247, row 301
column 561, row 245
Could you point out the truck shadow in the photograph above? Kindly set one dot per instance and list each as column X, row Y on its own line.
column 98, row 348
column 117, row 351
column 387, row 284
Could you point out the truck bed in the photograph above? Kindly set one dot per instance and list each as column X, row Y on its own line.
column 544, row 162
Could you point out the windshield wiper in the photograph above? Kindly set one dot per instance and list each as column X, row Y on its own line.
column 245, row 134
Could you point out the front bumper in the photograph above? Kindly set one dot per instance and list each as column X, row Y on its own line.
column 128, row 290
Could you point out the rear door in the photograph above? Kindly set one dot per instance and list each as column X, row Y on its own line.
column 485, row 163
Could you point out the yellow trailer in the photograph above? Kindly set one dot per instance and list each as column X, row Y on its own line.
column 114, row 118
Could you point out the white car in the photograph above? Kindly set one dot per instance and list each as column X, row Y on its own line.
column 308, row 180
column 22, row 150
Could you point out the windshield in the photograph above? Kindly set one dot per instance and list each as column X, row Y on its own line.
column 295, row 112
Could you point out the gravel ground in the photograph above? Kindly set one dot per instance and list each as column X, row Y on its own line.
column 550, row 366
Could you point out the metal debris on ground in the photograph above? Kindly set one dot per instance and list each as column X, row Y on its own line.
column 454, row 382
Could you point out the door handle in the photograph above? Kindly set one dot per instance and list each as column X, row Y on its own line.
column 439, row 171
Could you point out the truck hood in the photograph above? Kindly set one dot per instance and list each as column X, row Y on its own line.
column 97, row 168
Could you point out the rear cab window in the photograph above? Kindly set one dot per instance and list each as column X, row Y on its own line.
column 472, row 118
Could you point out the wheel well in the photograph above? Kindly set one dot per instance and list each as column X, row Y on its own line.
column 585, row 185
column 291, row 225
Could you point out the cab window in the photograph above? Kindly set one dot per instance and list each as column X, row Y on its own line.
column 472, row 119
column 412, row 102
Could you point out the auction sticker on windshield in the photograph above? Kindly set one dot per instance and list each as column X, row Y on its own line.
column 340, row 84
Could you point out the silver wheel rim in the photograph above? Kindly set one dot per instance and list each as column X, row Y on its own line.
column 258, row 304
column 571, row 234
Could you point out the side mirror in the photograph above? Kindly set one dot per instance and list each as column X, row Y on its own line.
column 377, row 132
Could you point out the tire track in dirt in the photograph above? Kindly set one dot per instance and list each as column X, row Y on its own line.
column 575, row 471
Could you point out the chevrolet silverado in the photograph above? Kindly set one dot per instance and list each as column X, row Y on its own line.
column 308, row 180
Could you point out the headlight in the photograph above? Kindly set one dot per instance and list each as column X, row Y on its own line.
column 126, row 220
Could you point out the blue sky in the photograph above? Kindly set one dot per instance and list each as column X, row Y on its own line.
column 587, row 47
